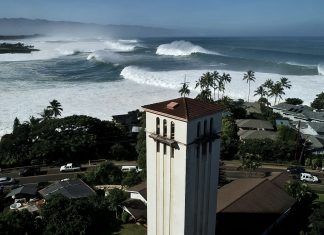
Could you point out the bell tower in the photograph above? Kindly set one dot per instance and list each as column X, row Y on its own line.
column 183, row 147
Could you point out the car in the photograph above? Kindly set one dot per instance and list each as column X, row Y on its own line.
column 306, row 177
column 131, row 168
column 7, row 181
column 28, row 171
column 70, row 167
column 295, row 169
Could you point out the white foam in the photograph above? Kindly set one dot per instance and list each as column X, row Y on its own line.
column 320, row 69
column 120, row 46
column 128, row 40
column 304, row 87
column 100, row 100
column 301, row 64
column 181, row 48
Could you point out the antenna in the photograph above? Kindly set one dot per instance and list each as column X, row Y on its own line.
column 185, row 87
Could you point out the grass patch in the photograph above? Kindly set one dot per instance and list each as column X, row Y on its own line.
column 320, row 197
column 131, row 229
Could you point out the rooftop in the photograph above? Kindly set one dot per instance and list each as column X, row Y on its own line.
column 255, row 134
column 253, row 195
column 74, row 188
column 26, row 189
column 183, row 108
column 254, row 123
column 140, row 188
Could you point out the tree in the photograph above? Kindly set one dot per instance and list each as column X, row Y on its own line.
column 141, row 146
column 16, row 124
column 229, row 138
column 318, row 102
column 184, row 91
column 225, row 78
column 131, row 178
column 216, row 84
column 285, row 82
column 260, row 91
column 105, row 173
column 249, row 77
column 294, row 101
column 317, row 220
column 251, row 162
column 46, row 114
column 55, row 107
column 300, row 191
column 204, row 83
column 277, row 90
column 268, row 84
column 114, row 198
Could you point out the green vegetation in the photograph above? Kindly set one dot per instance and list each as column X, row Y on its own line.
column 318, row 102
column 250, row 162
column 50, row 140
column 16, row 48
column 294, row 101
column 131, row 229
column 141, row 146
column 229, row 138
column 249, row 77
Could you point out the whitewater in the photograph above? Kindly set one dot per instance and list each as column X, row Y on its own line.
column 101, row 77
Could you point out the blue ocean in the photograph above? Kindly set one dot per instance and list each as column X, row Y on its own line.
column 101, row 77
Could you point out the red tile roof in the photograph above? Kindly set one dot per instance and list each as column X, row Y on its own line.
column 183, row 108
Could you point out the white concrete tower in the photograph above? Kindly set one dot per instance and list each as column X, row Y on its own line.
column 183, row 149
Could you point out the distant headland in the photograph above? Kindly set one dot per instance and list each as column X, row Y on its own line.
column 16, row 48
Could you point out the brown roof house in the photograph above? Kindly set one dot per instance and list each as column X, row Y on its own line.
column 135, row 206
column 255, row 129
column 251, row 206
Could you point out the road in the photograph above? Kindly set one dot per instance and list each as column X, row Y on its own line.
column 51, row 174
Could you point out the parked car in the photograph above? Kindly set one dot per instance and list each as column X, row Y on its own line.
column 70, row 167
column 27, row 171
column 306, row 177
column 7, row 181
column 130, row 168
column 295, row 169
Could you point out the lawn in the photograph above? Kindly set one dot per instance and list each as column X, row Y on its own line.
column 131, row 229
column 320, row 197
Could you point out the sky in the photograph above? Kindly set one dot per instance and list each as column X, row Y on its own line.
column 223, row 17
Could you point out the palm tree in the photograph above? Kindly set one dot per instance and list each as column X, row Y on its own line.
column 260, row 91
column 225, row 78
column 285, row 82
column 216, row 82
column 277, row 91
column 55, row 107
column 46, row 114
column 205, row 82
column 184, row 89
column 249, row 76
column 268, row 84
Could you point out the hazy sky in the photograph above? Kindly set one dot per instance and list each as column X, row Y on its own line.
column 224, row 17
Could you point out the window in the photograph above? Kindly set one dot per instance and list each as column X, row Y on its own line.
column 172, row 130
column 157, row 146
column 164, row 149
column 211, row 123
column 165, row 128
column 157, row 126
column 205, row 127
column 198, row 129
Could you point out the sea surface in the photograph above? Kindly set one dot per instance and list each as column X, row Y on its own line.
column 102, row 77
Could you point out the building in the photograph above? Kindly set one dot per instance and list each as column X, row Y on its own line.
column 255, row 129
column 298, row 112
column 252, row 206
column 72, row 188
column 182, row 166
column 135, row 205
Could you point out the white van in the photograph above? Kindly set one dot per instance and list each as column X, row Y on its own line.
column 306, row 177
column 130, row 168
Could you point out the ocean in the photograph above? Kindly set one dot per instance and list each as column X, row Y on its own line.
column 102, row 77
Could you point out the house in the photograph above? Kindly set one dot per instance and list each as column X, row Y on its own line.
column 26, row 191
column 136, row 205
column 253, row 205
column 298, row 112
column 255, row 129
column 72, row 188
column 254, row 124
column 129, row 120
column 316, row 144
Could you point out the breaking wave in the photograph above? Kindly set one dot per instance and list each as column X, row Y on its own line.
column 121, row 45
column 182, row 48
column 320, row 69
